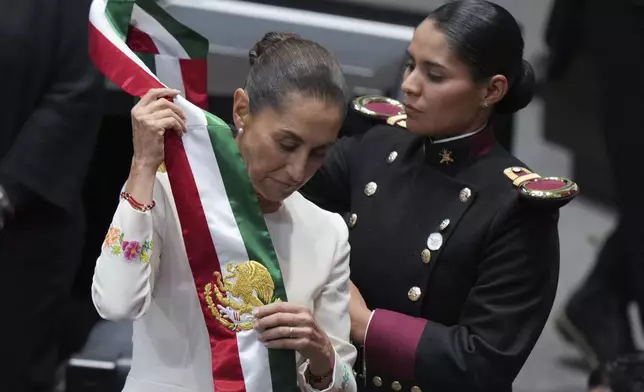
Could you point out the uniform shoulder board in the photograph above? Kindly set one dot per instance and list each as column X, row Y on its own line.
column 555, row 191
column 380, row 108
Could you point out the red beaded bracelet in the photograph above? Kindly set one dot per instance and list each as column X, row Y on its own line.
column 135, row 204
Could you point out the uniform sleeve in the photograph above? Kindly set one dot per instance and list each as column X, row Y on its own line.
column 330, row 187
column 126, row 269
column 331, row 311
column 500, row 323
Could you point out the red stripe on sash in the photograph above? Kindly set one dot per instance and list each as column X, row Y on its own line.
column 123, row 71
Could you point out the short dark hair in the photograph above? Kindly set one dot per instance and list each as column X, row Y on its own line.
column 283, row 64
column 488, row 39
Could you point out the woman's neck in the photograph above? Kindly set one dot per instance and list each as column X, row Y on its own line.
column 268, row 207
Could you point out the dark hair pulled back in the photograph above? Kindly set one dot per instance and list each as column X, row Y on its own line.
column 283, row 64
column 488, row 39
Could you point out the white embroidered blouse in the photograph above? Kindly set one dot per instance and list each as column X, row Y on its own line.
column 143, row 275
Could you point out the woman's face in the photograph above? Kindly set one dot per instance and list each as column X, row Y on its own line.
column 283, row 149
column 441, row 97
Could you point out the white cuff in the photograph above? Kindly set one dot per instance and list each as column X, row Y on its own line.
column 368, row 323
column 364, row 346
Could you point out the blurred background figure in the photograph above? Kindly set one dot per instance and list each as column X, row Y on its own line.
column 51, row 110
column 625, row 374
column 611, row 37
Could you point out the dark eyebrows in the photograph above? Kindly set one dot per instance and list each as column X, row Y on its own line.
column 426, row 63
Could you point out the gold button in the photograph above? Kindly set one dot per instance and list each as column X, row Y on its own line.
column 426, row 256
column 392, row 157
column 377, row 381
column 414, row 293
column 370, row 188
column 416, row 389
column 465, row 195
column 353, row 219
column 396, row 386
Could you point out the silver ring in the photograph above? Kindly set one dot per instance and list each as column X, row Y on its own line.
column 290, row 333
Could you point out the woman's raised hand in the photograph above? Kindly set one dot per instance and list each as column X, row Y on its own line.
column 152, row 116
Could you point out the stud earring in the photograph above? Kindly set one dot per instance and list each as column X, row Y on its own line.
column 241, row 130
column 486, row 105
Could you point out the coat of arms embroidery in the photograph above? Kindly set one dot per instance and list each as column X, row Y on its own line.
column 246, row 286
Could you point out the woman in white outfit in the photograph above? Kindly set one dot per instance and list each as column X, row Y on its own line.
column 286, row 118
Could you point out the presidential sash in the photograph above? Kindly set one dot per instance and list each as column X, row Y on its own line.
column 229, row 249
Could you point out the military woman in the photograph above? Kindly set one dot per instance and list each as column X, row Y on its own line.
column 455, row 252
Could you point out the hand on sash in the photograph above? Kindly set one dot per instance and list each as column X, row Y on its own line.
column 284, row 325
column 152, row 116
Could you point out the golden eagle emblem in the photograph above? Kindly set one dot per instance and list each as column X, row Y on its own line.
column 247, row 285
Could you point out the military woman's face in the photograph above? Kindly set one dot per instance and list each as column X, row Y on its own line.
column 283, row 149
column 441, row 97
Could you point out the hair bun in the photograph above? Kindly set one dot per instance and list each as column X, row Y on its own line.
column 268, row 42
column 521, row 92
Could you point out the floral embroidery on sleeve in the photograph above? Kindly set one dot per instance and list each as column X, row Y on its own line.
column 346, row 377
column 114, row 238
column 131, row 250
column 146, row 250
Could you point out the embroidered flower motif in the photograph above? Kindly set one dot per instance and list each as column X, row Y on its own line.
column 146, row 251
column 131, row 250
column 116, row 250
column 346, row 378
column 112, row 237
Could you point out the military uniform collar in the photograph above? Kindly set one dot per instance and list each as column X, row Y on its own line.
column 454, row 138
column 451, row 154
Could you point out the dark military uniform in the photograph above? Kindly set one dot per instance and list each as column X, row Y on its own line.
column 460, row 268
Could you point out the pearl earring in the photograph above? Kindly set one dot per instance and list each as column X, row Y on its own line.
column 486, row 105
column 241, row 130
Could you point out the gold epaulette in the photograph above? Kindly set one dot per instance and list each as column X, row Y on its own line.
column 378, row 107
column 556, row 191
